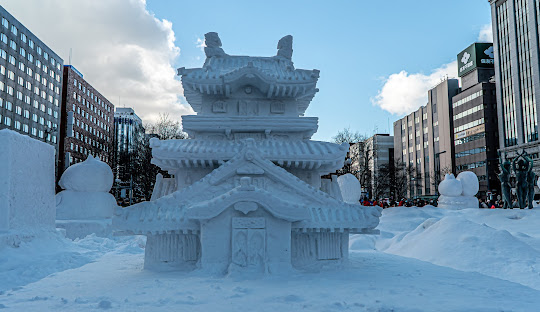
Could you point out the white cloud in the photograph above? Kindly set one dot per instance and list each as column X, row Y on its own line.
column 201, row 44
column 486, row 33
column 121, row 49
column 403, row 93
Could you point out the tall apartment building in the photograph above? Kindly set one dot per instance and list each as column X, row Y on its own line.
column 517, row 71
column 87, row 119
column 30, row 83
column 476, row 137
column 423, row 140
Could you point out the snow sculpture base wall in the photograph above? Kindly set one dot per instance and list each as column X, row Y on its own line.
column 458, row 193
column 26, row 183
column 81, row 228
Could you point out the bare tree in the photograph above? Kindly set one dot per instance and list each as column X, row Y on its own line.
column 166, row 128
column 346, row 135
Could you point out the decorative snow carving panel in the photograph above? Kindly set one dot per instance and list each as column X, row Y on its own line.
column 249, row 242
column 248, row 108
column 219, row 107
column 277, row 108
column 246, row 207
column 329, row 246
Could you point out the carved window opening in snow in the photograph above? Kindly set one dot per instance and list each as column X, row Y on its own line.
column 277, row 108
column 249, row 243
column 219, row 107
column 329, row 246
column 248, row 108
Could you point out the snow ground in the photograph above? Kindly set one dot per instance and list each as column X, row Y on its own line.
column 426, row 259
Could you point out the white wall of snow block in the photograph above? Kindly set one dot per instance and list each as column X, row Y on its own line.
column 27, row 186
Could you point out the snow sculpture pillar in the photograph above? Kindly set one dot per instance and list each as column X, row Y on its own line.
column 26, row 183
column 459, row 193
column 246, row 194
column 86, row 206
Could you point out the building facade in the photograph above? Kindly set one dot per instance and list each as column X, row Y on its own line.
column 30, row 83
column 516, row 48
column 476, row 138
column 87, row 119
column 423, row 140
column 374, row 152
column 127, row 126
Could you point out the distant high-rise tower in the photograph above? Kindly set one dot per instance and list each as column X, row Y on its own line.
column 517, row 74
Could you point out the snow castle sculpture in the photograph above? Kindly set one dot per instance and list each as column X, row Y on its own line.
column 245, row 193
column 85, row 206
column 459, row 193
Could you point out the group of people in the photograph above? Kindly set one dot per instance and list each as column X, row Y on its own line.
column 404, row 202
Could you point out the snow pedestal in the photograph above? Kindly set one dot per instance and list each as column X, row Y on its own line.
column 86, row 206
column 26, row 184
column 459, row 193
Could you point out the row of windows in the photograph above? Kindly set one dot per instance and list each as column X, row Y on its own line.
column 467, row 99
column 81, row 149
column 44, row 69
column 473, row 165
column 26, row 113
column 89, row 128
column 89, row 140
column 469, row 125
column 95, row 98
column 469, row 111
column 471, row 138
column 30, row 43
column 26, row 129
column 471, row 152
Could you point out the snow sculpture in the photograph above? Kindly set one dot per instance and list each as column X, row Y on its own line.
column 351, row 191
column 245, row 192
column 26, row 184
column 85, row 206
column 459, row 193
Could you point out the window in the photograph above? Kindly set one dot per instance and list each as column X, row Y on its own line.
column 14, row 29
column 13, row 45
column 26, row 114
column 29, row 71
column 20, row 80
column 46, row 55
column 2, row 70
column 23, row 37
column 5, row 23
column 18, row 110
column 17, row 125
column 25, row 128
column 42, row 107
column 30, row 58
column 22, row 52
column 42, row 120
column 31, row 44
column 34, row 131
column 38, row 50
column 38, row 63
column 3, row 54
column 34, row 118
column 3, row 38
column 19, row 95
column 11, row 60
column 7, row 121
column 9, row 90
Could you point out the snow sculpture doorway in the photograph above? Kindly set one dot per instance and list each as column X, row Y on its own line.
column 249, row 243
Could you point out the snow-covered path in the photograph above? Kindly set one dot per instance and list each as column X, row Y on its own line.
column 373, row 281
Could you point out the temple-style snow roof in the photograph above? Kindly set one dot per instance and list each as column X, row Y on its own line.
column 308, row 208
column 304, row 154
column 275, row 76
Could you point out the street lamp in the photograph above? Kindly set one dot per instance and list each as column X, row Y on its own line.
column 438, row 168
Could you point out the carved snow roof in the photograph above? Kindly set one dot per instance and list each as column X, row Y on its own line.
column 304, row 154
column 312, row 209
column 274, row 76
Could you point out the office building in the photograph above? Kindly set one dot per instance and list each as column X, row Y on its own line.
column 128, row 126
column 88, row 121
column 423, row 140
column 30, row 83
column 516, row 49
column 476, row 137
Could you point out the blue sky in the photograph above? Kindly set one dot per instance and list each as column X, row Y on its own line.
column 357, row 45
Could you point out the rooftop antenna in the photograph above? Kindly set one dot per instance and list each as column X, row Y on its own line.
column 70, row 52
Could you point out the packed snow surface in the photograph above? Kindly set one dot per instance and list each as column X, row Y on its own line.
column 425, row 259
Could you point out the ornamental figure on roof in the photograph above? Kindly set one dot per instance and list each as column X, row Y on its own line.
column 244, row 193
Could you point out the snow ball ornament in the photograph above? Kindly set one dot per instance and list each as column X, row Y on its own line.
column 450, row 186
column 91, row 175
column 469, row 183
column 350, row 187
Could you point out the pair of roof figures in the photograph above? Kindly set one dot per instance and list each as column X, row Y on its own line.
column 524, row 183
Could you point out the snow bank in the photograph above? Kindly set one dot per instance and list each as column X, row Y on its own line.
column 495, row 242
column 26, row 183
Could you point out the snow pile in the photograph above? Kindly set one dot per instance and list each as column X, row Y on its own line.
column 459, row 193
column 492, row 242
